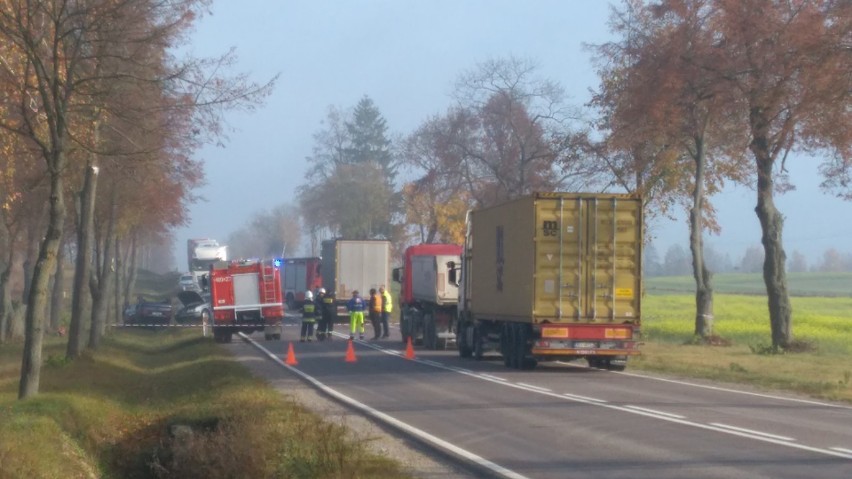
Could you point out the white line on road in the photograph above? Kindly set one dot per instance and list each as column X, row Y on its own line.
column 387, row 419
column 654, row 411
column 752, row 431
column 583, row 398
column 841, row 449
column 493, row 377
column 537, row 388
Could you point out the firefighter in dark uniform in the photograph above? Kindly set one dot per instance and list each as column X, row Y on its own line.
column 309, row 317
column 328, row 311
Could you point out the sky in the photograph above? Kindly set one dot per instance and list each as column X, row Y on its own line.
column 405, row 55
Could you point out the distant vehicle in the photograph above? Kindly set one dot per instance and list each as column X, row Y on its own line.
column 187, row 282
column 354, row 265
column 246, row 297
column 201, row 254
column 297, row 276
column 149, row 313
column 196, row 308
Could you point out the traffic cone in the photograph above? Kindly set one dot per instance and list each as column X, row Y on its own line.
column 350, row 353
column 409, row 349
column 291, row 356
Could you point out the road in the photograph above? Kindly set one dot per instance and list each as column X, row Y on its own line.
column 569, row 421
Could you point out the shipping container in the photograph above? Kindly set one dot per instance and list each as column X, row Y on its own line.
column 354, row 265
column 566, row 265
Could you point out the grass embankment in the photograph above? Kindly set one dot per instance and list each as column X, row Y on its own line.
column 824, row 324
column 118, row 413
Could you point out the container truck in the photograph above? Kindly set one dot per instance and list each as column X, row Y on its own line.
column 354, row 265
column 246, row 297
column 297, row 276
column 201, row 253
column 552, row 276
column 427, row 299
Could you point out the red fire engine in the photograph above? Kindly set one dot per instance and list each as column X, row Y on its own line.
column 246, row 297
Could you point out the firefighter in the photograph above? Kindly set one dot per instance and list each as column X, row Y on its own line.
column 308, row 318
column 328, row 310
column 356, row 307
column 376, row 313
column 387, row 307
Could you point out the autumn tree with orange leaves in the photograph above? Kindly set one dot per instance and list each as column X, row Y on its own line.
column 79, row 65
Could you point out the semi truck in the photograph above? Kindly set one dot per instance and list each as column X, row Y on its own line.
column 246, row 297
column 297, row 276
column 552, row 276
column 201, row 253
column 427, row 299
column 354, row 265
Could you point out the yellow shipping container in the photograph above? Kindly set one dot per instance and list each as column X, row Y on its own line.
column 556, row 258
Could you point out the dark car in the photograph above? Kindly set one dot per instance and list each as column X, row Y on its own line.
column 196, row 308
column 149, row 313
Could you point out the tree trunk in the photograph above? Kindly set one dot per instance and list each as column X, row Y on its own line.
column 772, row 225
column 101, row 285
column 120, row 275
column 132, row 268
column 83, row 263
column 703, row 276
column 34, row 323
column 58, row 292
column 5, row 274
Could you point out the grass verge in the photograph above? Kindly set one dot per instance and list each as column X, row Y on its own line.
column 743, row 321
column 165, row 404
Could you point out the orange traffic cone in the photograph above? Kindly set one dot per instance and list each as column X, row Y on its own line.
column 291, row 357
column 409, row 350
column 350, row 353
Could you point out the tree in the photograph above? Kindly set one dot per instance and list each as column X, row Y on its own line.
column 676, row 261
column 651, row 261
column 788, row 65
column 268, row 234
column 660, row 95
column 63, row 48
column 349, row 188
column 752, row 260
column 512, row 131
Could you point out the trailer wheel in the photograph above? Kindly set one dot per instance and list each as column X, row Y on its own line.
column 524, row 359
column 430, row 341
column 465, row 333
column 507, row 339
column 478, row 343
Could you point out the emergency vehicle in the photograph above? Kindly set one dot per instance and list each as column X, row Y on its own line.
column 246, row 297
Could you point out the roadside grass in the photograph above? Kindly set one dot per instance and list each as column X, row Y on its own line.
column 824, row 324
column 166, row 404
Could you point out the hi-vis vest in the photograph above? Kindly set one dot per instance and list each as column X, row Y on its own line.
column 377, row 303
column 386, row 301
column 308, row 309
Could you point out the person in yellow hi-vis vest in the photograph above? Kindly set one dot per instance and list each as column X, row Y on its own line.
column 309, row 317
column 387, row 308
column 356, row 309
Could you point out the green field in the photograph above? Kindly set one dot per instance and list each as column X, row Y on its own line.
column 822, row 321
column 799, row 284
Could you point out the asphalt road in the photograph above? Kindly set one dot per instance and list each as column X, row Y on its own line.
column 570, row 421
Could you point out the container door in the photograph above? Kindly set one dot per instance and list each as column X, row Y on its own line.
column 612, row 274
column 301, row 277
column 560, row 259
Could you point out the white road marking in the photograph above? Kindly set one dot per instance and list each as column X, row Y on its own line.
column 419, row 433
column 752, row 431
column 493, row 377
column 537, row 388
column 654, row 411
column 729, row 390
column 583, row 398
column 841, row 449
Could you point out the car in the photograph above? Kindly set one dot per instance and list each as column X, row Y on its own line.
column 196, row 308
column 149, row 313
column 187, row 282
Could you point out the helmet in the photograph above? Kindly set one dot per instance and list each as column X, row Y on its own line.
column 308, row 295
column 322, row 290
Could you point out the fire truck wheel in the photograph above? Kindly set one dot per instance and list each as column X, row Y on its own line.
column 227, row 337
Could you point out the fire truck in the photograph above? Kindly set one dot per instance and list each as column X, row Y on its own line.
column 299, row 275
column 246, row 297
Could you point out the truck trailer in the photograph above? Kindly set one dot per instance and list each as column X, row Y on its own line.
column 354, row 265
column 552, row 276
column 427, row 299
column 297, row 276
column 246, row 297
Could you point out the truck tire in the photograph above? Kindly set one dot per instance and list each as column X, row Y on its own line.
column 291, row 302
column 478, row 343
column 227, row 336
column 404, row 327
column 430, row 339
column 525, row 359
column 465, row 340
column 507, row 339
